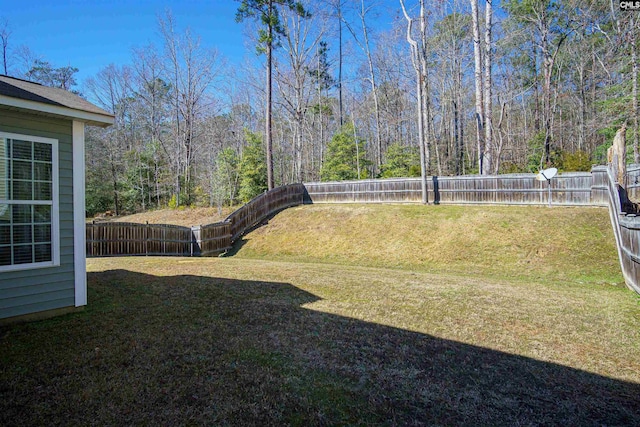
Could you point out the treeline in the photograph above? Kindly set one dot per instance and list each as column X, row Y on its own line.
column 190, row 127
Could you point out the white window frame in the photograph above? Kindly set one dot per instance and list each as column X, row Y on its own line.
column 55, row 208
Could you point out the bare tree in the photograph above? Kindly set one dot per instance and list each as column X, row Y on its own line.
column 191, row 70
column 5, row 33
column 295, row 85
column 419, row 60
column 633, row 43
column 26, row 59
column 550, row 30
column 365, row 46
column 479, row 115
column 111, row 89
column 488, row 86
column 153, row 93
column 338, row 6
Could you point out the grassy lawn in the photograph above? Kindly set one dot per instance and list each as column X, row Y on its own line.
column 294, row 339
column 568, row 245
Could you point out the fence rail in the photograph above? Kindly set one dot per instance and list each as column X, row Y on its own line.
column 568, row 189
column 122, row 238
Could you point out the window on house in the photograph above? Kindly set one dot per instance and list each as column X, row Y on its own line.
column 28, row 202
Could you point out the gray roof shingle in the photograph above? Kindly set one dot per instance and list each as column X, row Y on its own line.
column 22, row 89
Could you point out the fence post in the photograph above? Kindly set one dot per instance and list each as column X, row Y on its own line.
column 196, row 240
column 93, row 238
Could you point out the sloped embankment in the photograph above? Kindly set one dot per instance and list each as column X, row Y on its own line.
column 558, row 244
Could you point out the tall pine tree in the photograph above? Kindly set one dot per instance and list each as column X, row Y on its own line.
column 266, row 13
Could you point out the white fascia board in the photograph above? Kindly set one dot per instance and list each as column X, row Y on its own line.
column 79, row 227
column 85, row 116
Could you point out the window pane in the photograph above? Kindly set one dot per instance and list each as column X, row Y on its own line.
column 42, row 151
column 22, row 190
column 5, row 234
column 22, row 170
column 42, row 191
column 5, row 214
column 23, row 254
column 22, row 234
column 5, row 255
column 22, row 149
column 42, row 171
column 42, row 213
column 22, row 214
column 42, row 233
column 43, row 253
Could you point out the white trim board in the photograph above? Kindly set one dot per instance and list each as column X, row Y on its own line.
column 79, row 227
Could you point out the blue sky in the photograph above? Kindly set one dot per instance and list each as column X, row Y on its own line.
column 90, row 34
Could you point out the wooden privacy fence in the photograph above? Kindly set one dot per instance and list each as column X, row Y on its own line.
column 122, row 238
column 597, row 188
column 568, row 189
column 626, row 227
column 264, row 205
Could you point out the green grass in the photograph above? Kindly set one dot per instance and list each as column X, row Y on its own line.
column 284, row 341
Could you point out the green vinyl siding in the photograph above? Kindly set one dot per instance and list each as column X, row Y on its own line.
column 35, row 290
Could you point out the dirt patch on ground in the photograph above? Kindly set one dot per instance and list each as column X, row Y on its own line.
column 186, row 217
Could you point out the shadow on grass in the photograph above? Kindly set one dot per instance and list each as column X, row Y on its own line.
column 241, row 241
column 203, row 350
column 235, row 248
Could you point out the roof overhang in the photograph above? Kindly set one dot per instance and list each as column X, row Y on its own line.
column 38, row 108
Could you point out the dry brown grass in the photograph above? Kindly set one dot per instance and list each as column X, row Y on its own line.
column 343, row 327
column 558, row 244
column 230, row 341
column 185, row 217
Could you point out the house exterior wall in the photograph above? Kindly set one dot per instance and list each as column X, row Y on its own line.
column 36, row 290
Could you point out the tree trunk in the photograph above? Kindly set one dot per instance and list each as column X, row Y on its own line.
column 547, row 70
column 268, row 135
column 536, row 112
column 416, row 59
column 462, row 140
column 583, row 109
column 340, row 62
column 477, row 54
column 426, row 92
column 374, row 88
column 634, row 92
column 488, row 110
